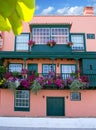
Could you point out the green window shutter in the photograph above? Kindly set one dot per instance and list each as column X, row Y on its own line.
column 89, row 66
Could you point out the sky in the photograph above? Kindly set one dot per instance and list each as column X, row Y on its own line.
column 63, row 7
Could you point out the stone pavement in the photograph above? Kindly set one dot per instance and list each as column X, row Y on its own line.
column 42, row 123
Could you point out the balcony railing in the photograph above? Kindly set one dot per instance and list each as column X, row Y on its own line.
column 91, row 77
column 92, row 80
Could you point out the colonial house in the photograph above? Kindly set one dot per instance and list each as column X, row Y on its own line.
column 64, row 45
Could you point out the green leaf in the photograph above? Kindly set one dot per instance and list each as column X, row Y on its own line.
column 16, row 23
column 28, row 3
column 4, row 24
column 35, row 87
column 25, row 12
column 14, row 12
column 7, row 7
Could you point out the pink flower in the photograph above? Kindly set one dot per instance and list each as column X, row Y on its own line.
column 24, row 71
column 31, row 42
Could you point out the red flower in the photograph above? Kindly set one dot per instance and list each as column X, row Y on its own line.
column 51, row 43
column 31, row 42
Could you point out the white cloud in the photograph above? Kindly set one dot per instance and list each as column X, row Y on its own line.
column 76, row 10
column 94, row 8
column 47, row 10
column 37, row 7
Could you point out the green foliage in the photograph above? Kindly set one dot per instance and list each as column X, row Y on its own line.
column 13, row 12
column 15, row 74
column 35, row 87
column 77, row 85
column 2, row 69
column 74, row 74
column 12, row 86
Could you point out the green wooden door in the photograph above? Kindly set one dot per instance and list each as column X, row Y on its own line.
column 33, row 68
column 55, row 106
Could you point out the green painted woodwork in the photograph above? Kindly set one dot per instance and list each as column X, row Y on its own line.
column 1, row 61
column 51, row 55
column 55, row 106
column 92, row 80
column 56, row 48
column 89, row 66
column 21, row 109
column 65, row 25
column 33, row 67
column 83, row 39
column 90, row 36
column 17, row 37
column 89, row 69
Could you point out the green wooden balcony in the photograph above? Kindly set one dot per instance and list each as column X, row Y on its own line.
column 56, row 48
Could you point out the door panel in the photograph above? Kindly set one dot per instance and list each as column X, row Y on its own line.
column 55, row 106
column 33, row 68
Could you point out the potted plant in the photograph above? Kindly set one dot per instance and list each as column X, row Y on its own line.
column 51, row 43
column 31, row 43
column 69, row 43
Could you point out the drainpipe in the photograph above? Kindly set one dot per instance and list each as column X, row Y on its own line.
column 52, row 63
column 24, row 67
column 77, row 63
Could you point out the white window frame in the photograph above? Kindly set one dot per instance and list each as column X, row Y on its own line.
column 66, row 70
column 22, row 42
column 15, row 67
column 41, row 35
column 60, row 35
column 48, row 67
column 22, row 99
column 78, row 41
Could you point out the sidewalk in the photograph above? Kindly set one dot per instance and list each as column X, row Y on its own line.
column 48, row 122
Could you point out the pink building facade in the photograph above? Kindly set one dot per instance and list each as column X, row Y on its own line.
column 62, row 58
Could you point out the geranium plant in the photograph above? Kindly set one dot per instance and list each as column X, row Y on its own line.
column 51, row 43
column 31, row 43
column 70, row 43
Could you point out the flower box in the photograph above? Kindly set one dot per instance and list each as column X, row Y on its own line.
column 70, row 44
column 51, row 43
column 31, row 43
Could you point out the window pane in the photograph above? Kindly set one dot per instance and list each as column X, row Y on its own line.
column 66, row 70
column 78, row 42
column 15, row 67
column 60, row 35
column 47, row 68
column 75, row 96
column 41, row 35
column 22, row 42
column 22, row 99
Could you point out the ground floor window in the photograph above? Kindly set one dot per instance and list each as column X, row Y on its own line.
column 22, row 101
column 75, row 96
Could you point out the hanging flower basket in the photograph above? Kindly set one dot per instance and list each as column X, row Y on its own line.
column 51, row 43
column 70, row 44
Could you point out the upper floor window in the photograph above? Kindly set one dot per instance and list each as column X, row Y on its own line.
column 42, row 35
column 66, row 70
column 15, row 67
column 46, row 68
column 22, row 42
column 78, row 41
